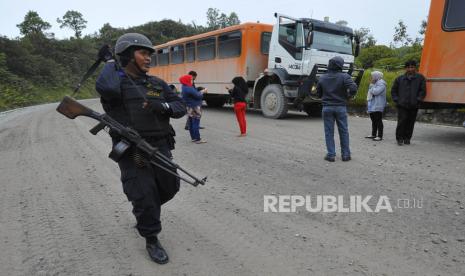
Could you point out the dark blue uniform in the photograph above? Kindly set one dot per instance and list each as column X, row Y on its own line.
column 144, row 184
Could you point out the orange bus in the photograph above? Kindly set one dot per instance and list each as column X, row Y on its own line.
column 217, row 57
column 443, row 57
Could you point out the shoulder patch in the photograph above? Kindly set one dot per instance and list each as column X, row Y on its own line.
column 154, row 88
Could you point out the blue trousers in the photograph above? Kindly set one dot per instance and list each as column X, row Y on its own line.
column 336, row 114
column 194, row 124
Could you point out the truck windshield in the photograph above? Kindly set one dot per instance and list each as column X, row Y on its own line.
column 338, row 43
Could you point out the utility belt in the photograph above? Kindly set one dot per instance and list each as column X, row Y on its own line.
column 161, row 139
column 155, row 141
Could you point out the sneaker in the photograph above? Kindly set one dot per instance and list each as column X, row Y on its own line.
column 200, row 141
column 346, row 158
column 377, row 139
column 329, row 158
column 370, row 137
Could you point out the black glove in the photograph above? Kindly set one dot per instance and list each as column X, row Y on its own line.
column 105, row 54
column 159, row 107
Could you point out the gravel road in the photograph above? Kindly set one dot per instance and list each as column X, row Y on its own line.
column 63, row 212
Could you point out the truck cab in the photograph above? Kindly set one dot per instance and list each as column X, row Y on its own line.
column 299, row 52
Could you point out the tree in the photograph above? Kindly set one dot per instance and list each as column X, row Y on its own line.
column 371, row 41
column 223, row 21
column 33, row 25
column 215, row 20
column 366, row 38
column 422, row 31
column 423, row 25
column 107, row 33
column 73, row 20
column 233, row 19
column 369, row 55
column 212, row 18
column 400, row 35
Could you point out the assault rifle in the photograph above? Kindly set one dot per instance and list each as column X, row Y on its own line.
column 129, row 137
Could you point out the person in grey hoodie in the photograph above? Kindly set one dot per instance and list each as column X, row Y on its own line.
column 376, row 102
column 335, row 88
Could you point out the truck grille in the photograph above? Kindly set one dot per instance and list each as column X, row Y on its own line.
column 323, row 68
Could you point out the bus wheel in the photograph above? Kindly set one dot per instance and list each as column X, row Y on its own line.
column 313, row 110
column 218, row 102
column 273, row 102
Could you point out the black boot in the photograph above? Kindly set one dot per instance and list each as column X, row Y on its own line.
column 330, row 158
column 156, row 252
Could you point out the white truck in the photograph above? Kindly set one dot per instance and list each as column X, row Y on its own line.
column 299, row 52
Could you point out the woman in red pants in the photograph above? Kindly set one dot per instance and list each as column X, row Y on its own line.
column 238, row 93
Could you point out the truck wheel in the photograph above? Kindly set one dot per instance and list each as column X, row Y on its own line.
column 273, row 102
column 313, row 110
column 215, row 102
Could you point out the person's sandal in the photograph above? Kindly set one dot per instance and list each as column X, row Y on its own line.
column 377, row 139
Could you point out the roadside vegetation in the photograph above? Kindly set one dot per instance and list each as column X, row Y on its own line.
column 39, row 68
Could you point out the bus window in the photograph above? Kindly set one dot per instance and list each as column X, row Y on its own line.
column 229, row 45
column 190, row 52
column 265, row 43
column 153, row 60
column 163, row 56
column 453, row 19
column 177, row 54
column 206, row 48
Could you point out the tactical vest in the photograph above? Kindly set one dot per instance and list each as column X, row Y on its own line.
column 129, row 111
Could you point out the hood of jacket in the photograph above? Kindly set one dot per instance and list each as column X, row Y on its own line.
column 336, row 64
column 186, row 80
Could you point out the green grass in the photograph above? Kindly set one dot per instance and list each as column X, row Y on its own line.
column 12, row 97
column 389, row 77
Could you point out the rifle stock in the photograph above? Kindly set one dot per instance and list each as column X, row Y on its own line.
column 72, row 108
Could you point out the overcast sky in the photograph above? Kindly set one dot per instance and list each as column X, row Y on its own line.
column 379, row 16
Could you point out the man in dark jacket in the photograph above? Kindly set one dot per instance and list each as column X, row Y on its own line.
column 335, row 88
column 146, row 104
column 408, row 91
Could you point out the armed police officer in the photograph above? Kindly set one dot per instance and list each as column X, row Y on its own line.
column 146, row 104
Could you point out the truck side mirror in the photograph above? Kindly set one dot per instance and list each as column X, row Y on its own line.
column 357, row 46
column 309, row 40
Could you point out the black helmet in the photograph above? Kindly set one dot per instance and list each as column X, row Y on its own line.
column 128, row 40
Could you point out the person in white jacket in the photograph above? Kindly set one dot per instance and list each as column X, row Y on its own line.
column 376, row 102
